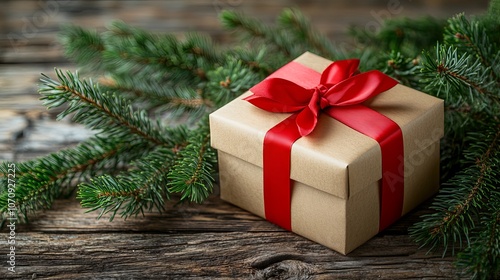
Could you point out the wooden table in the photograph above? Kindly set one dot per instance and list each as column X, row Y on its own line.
column 211, row 241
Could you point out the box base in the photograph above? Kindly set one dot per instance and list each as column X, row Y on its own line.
column 340, row 224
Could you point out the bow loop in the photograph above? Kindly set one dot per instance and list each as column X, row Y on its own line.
column 279, row 95
column 359, row 88
column 340, row 85
column 338, row 71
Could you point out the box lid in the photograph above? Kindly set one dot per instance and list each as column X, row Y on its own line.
column 333, row 158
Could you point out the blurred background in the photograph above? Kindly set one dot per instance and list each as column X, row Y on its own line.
column 28, row 45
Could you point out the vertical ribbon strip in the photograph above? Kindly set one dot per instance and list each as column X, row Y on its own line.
column 339, row 92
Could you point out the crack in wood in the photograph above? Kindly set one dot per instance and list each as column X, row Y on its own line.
column 265, row 261
column 287, row 269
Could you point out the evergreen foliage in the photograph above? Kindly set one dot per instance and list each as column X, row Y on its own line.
column 40, row 181
column 148, row 84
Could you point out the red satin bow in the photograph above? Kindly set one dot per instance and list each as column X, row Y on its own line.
column 340, row 85
column 339, row 93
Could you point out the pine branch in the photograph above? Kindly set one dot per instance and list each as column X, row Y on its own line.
column 119, row 30
column 468, row 36
column 125, row 49
column 202, row 46
column 404, row 69
column 178, row 101
column 163, row 57
column 256, row 59
column 42, row 180
column 481, row 260
column 84, row 47
column 460, row 200
column 464, row 72
column 98, row 110
column 459, row 121
column 450, row 71
column 155, row 176
column 141, row 188
column 229, row 81
column 192, row 174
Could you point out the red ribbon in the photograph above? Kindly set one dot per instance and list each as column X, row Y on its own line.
column 338, row 92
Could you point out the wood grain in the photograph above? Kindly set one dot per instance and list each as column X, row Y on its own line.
column 211, row 241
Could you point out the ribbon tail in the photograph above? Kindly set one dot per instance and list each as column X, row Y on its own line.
column 276, row 167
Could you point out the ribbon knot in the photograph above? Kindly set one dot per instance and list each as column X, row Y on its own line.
column 319, row 95
column 321, row 89
column 340, row 85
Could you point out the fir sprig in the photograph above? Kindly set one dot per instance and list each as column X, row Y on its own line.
column 229, row 81
column 467, row 211
column 99, row 110
column 151, row 96
column 84, row 47
column 451, row 71
column 481, row 260
column 256, row 59
column 141, row 188
column 404, row 69
column 161, row 57
column 193, row 174
column 201, row 46
column 42, row 180
column 460, row 200
column 466, row 208
column 468, row 36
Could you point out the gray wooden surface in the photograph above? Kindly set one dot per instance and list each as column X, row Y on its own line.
column 214, row 240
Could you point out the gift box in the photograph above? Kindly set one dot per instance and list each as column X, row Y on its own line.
column 329, row 153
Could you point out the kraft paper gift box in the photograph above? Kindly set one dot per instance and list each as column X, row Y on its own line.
column 335, row 171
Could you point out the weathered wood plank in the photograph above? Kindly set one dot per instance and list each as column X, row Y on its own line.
column 213, row 215
column 215, row 240
column 214, row 255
